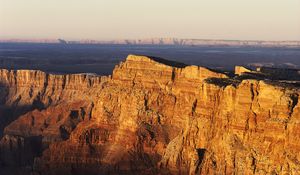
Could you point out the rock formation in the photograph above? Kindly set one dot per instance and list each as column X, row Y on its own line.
column 152, row 116
column 240, row 70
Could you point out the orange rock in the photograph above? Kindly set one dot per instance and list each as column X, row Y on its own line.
column 152, row 116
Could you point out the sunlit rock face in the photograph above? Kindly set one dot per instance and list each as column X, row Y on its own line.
column 152, row 116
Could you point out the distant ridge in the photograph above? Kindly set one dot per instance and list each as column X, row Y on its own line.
column 165, row 41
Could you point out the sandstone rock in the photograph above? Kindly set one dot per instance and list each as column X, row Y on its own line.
column 152, row 116
column 240, row 70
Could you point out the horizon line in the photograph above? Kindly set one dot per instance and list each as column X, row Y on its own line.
column 56, row 40
column 106, row 41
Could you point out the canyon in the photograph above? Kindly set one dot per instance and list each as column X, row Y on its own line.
column 166, row 41
column 151, row 116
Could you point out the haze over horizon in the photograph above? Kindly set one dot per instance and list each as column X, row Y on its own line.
column 138, row 19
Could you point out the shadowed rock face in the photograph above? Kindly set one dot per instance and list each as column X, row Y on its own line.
column 151, row 116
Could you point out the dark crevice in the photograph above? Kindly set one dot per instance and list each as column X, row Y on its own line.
column 201, row 154
column 252, row 92
column 194, row 106
column 294, row 98
column 173, row 74
column 74, row 114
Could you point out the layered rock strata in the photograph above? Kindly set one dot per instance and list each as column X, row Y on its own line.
column 152, row 116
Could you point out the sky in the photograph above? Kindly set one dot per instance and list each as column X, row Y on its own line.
column 138, row 19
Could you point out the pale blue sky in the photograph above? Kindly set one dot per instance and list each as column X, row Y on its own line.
column 128, row 19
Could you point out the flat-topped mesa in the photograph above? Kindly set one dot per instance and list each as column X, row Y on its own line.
column 240, row 70
column 27, row 87
column 145, row 69
column 150, row 70
column 36, row 78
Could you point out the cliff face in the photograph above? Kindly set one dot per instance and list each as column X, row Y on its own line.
column 151, row 116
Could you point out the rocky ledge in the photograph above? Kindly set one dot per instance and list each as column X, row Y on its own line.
column 152, row 116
